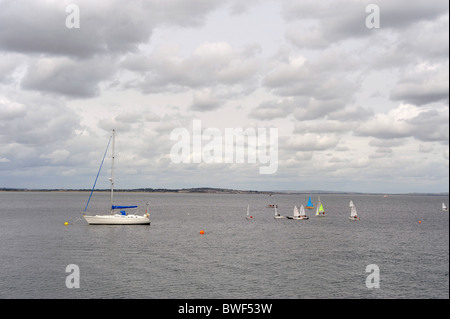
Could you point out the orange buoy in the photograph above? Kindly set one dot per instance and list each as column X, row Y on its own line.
column 420, row 222
column 202, row 232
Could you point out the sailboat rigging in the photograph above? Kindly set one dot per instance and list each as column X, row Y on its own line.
column 114, row 218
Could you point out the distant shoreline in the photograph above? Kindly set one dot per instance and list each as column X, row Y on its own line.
column 209, row 190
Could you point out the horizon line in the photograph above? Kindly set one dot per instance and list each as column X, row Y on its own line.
column 214, row 190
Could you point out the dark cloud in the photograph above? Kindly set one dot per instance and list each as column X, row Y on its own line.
column 427, row 85
column 326, row 22
column 106, row 27
column 206, row 101
column 72, row 78
column 36, row 121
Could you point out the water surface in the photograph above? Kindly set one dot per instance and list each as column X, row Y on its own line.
column 235, row 258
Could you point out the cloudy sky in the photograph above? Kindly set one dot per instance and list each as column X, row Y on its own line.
column 356, row 108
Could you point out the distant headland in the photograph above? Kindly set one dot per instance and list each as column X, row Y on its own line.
column 207, row 190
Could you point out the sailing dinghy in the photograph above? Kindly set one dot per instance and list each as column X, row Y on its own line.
column 249, row 217
column 353, row 214
column 310, row 204
column 118, row 214
column 444, row 208
column 277, row 215
column 295, row 215
column 302, row 213
column 320, row 212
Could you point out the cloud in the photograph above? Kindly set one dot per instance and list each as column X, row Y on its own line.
column 310, row 142
column 319, row 25
column 205, row 101
column 408, row 121
column 351, row 103
column 39, row 27
column 212, row 64
column 11, row 110
column 36, row 121
column 270, row 110
column 73, row 78
column 8, row 64
column 30, row 26
column 426, row 84
column 324, row 81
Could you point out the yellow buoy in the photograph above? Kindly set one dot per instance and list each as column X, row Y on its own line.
column 66, row 223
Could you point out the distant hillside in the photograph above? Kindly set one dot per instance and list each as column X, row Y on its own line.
column 208, row 190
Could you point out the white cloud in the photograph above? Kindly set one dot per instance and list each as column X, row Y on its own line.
column 212, row 64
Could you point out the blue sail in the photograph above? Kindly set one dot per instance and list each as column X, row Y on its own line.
column 310, row 204
column 122, row 207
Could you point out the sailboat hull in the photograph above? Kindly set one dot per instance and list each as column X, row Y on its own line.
column 353, row 218
column 117, row 220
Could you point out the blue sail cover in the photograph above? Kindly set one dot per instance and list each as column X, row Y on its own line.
column 122, row 207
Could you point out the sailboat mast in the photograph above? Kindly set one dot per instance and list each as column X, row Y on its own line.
column 112, row 168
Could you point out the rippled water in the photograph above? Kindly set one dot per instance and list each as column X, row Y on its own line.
column 235, row 258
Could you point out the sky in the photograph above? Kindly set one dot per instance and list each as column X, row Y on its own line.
column 358, row 104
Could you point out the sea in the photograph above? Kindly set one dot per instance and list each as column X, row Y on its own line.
column 399, row 249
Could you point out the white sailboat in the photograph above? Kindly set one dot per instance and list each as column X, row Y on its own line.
column 444, row 208
column 296, row 214
column 249, row 217
column 277, row 215
column 353, row 213
column 302, row 213
column 320, row 212
column 118, row 214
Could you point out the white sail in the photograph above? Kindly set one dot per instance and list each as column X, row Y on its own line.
column 353, row 212
column 351, row 204
column 276, row 215
column 302, row 211
column 444, row 208
column 249, row 217
column 296, row 213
